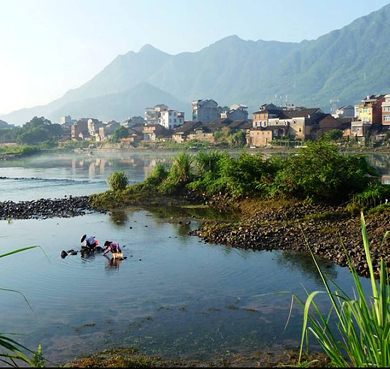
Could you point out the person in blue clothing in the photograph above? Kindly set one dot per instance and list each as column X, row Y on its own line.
column 89, row 242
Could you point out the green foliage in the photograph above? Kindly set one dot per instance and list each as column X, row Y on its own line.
column 118, row 181
column 363, row 321
column 120, row 132
column 179, row 175
column 38, row 358
column 333, row 135
column 159, row 174
column 180, row 172
column 238, row 139
column 12, row 350
column 374, row 195
column 320, row 173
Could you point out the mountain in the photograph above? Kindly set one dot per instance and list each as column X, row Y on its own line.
column 4, row 124
column 117, row 106
column 346, row 64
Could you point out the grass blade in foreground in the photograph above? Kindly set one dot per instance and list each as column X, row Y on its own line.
column 363, row 322
column 13, row 348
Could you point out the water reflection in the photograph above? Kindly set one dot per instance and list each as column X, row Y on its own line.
column 304, row 263
column 119, row 218
column 112, row 264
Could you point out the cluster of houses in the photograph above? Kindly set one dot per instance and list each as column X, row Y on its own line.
column 269, row 123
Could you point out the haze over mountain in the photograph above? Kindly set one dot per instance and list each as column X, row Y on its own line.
column 347, row 64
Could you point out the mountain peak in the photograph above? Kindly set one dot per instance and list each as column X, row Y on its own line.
column 147, row 49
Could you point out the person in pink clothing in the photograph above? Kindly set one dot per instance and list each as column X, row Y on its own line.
column 114, row 248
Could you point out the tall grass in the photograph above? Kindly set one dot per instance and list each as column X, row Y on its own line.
column 362, row 337
column 12, row 351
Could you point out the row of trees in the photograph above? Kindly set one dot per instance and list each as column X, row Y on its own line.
column 34, row 132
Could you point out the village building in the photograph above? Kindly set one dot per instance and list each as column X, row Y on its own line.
column 153, row 114
column 155, row 132
column 266, row 112
column 107, row 131
column 370, row 109
column 133, row 121
column 205, row 110
column 202, row 133
column 181, row 133
column 259, row 137
column 170, row 119
column 359, row 128
column 93, row 126
column 135, row 136
column 80, row 127
column 236, row 112
column 323, row 124
column 386, row 111
column 346, row 111
column 67, row 119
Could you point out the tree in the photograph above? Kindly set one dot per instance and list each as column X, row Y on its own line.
column 120, row 132
column 333, row 135
column 238, row 139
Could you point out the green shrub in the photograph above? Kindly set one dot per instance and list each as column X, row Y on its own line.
column 333, row 135
column 118, row 181
column 159, row 174
column 373, row 196
column 238, row 139
column 320, row 173
column 208, row 162
column 180, row 172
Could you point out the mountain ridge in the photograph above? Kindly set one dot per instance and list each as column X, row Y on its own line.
column 347, row 64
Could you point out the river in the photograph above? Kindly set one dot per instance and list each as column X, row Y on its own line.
column 174, row 296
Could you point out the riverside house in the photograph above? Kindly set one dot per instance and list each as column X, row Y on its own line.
column 155, row 132
column 259, row 137
column 386, row 111
column 180, row 134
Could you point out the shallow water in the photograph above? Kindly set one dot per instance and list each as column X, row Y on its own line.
column 173, row 296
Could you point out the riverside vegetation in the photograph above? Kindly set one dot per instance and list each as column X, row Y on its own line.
column 317, row 192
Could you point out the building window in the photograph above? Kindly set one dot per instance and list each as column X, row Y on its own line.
column 387, row 118
column 174, row 120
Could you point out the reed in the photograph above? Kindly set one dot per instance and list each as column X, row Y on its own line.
column 362, row 336
column 12, row 351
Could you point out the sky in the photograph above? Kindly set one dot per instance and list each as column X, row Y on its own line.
column 50, row 46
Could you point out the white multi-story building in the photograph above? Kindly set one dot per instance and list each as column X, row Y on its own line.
column 153, row 114
column 171, row 119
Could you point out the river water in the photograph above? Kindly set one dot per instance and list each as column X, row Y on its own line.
column 173, row 296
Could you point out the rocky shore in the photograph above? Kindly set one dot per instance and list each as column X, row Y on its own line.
column 299, row 226
column 47, row 208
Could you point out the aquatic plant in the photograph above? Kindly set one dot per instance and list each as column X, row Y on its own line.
column 362, row 338
column 13, row 350
column 373, row 196
column 159, row 174
column 118, row 181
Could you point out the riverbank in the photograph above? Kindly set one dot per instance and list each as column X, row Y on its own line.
column 276, row 224
column 129, row 357
column 293, row 225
